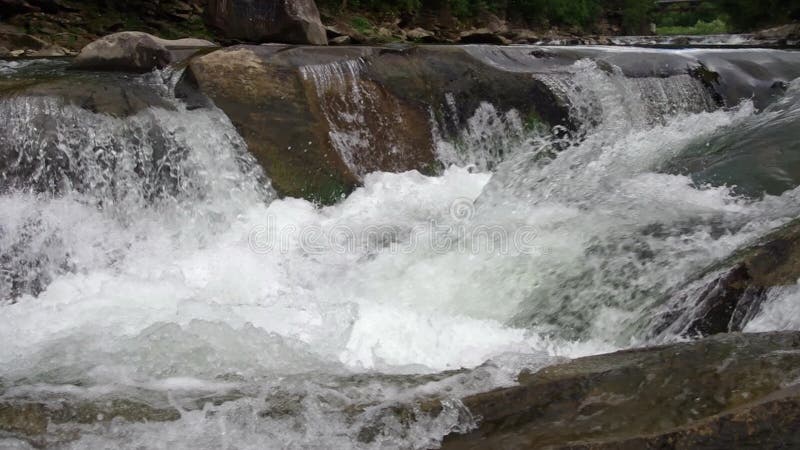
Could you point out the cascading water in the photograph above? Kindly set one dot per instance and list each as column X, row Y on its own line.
column 144, row 259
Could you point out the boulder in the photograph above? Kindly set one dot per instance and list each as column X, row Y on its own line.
column 270, row 106
column 784, row 32
column 133, row 51
column 731, row 293
column 483, row 36
column 723, row 392
column 320, row 118
column 524, row 36
column 341, row 40
column 419, row 34
column 286, row 21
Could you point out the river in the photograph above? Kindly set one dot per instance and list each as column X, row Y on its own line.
column 147, row 260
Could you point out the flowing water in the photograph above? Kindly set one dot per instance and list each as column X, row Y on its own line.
column 147, row 259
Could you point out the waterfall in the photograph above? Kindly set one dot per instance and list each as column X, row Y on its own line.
column 367, row 127
column 346, row 110
column 146, row 258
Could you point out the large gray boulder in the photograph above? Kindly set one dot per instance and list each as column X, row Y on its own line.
column 285, row 21
column 134, row 51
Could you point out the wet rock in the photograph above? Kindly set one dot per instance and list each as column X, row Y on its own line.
column 107, row 95
column 733, row 294
column 768, row 423
column 133, row 51
column 287, row 21
column 729, row 388
column 319, row 119
column 269, row 105
column 29, row 420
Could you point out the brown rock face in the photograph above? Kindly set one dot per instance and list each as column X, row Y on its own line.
column 271, row 108
column 320, row 118
column 721, row 392
column 286, row 21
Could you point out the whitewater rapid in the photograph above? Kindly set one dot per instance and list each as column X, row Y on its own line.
column 189, row 279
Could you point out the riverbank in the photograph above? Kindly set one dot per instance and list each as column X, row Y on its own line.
column 48, row 29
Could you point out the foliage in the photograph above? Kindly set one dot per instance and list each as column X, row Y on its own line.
column 715, row 27
column 635, row 16
column 678, row 16
column 748, row 14
column 361, row 24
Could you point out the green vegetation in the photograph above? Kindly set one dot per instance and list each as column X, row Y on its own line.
column 578, row 13
column 361, row 24
column 718, row 26
column 746, row 15
column 632, row 16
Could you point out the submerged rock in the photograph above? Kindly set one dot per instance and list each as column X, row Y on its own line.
column 287, row 21
column 727, row 389
column 28, row 418
column 737, row 390
column 133, row 51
